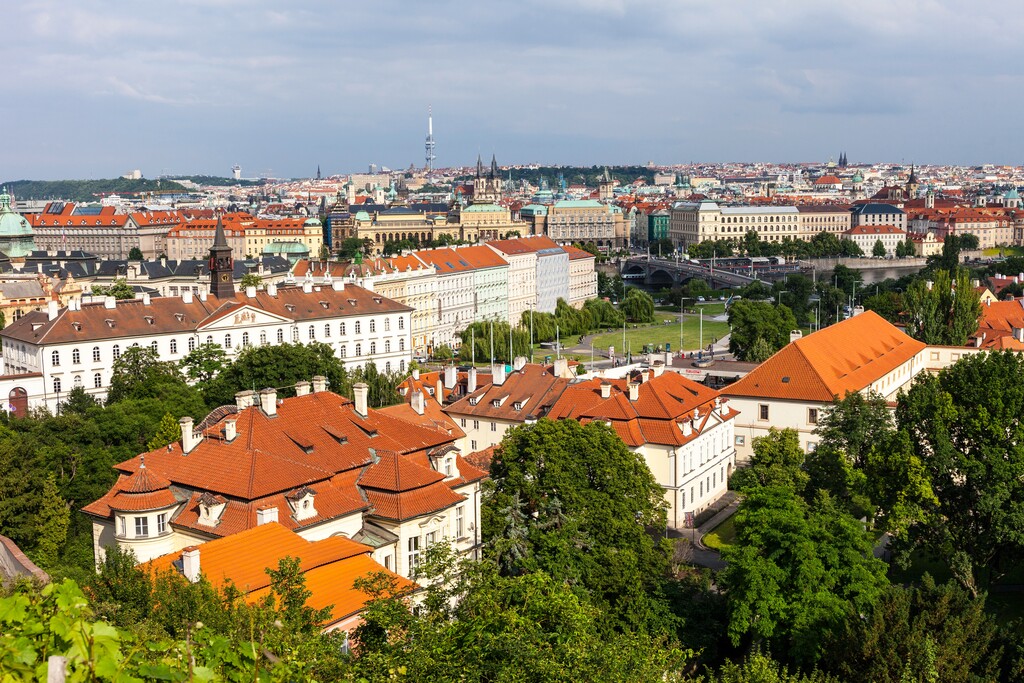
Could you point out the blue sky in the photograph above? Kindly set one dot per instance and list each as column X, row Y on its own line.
column 97, row 87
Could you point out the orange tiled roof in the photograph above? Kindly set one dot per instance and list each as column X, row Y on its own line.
column 997, row 322
column 844, row 357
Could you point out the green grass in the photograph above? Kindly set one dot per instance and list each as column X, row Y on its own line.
column 660, row 334
column 1004, row 251
column 722, row 536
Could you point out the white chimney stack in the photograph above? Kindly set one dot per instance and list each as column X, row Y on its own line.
column 244, row 399
column 250, row 291
column 307, row 287
column 634, row 391
column 190, row 563
column 268, row 402
column 319, row 384
column 146, row 299
column 606, row 390
column 471, row 380
column 186, row 297
column 416, row 374
column 230, row 430
column 272, row 290
column 362, row 392
column 561, row 368
column 189, row 439
column 450, row 376
column 52, row 307
column 109, row 302
column 266, row 515
column 498, row 374
column 302, row 388
column 417, row 402
column 519, row 363
column 338, row 285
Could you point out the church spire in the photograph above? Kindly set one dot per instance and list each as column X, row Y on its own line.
column 222, row 277
column 495, row 173
column 479, row 166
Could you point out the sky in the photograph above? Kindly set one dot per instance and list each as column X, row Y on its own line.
column 95, row 88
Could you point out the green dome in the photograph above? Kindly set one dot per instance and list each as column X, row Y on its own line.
column 362, row 216
column 15, row 232
column 857, row 177
column 1012, row 194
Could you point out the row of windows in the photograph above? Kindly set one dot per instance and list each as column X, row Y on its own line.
column 142, row 525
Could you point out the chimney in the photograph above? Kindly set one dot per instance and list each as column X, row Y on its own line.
column 498, row 374
column 109, row 302
column 186, row 297
column 145, row 299
column 417, row 402
column 302, row 388
column 202, row 295
column 362, row 392
column 687, row 428
column 319, row 384
column 307, row 287
column 338, row 285
column 268, row 402
column 416, row 374
column 190, row 563
column 795, row 334
column 230, row 430
column 52, row 307
column 471, row 380
column 606, row 390
column 250, row 291
column 1018, row 334
column 272, row 290
column 244, row 399
column 723, row 407
column 266, row 515
column 561, row 368
column 634, row 391
column 519, row 363
column 975, row 283
column 450, row 377
column 988, row 302
column 658, row 368
column 439, row 391
column 189, row 439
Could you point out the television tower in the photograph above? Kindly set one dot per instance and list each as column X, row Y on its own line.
column 429, row 146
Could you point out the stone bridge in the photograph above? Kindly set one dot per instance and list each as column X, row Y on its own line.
column 656, row 272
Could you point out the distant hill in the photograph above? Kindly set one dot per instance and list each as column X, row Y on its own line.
column 217, row 181
column 86, row 190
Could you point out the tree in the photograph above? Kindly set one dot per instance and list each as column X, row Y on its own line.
column 572, row 501
column 252, row 280
column 878, row 250
column 889, row 305
column 135, row 254
column 637, row 306
column 119, row 289
column 443, row 352
column 51, row 524
column 846, row 278
column 964, row 425
column 609, row 287
column 760, row 668
column 204, row 363
column 968, row 241
column 796, row 571
column 168, row 432
column 751, row 244
column 777, row 461
column 901, row 249
column 750, row 320
column 919, row 633
column 79, row 401
column 944, row 311
column 663, row 247
column 139, row 373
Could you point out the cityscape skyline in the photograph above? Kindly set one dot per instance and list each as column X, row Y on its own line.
column 280, row 91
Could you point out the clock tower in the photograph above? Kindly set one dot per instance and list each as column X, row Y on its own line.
column 222, row 277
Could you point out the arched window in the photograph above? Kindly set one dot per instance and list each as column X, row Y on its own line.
column 78, row 381
column 117, row 351
column 95, row 354
column 327, row 329
column 245, row 339
column 401, row 322
column 55, row 358
column 387, row 367
column 280, row 336
column 341, row 329
column 387, row 324
column 174, row 346
column 97, row 380
column 295, row 335
column 191, row 344
column 312, row 332
column 209, row 339
column 401, row 344
column 227, row 341
column 401, row 365
column 359, row 350
column 373, row 348
column 263, row 337
column 343, row 350
column 76, row 356
column 387, row 346
column 56, row 385
column 373, row 326
column 154, row 346
column 358, row 327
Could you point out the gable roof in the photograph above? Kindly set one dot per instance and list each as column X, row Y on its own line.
column 844, row 357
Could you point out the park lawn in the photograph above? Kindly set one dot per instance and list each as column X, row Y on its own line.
column 660, row 334
column 1004, row 251
column 722, row 536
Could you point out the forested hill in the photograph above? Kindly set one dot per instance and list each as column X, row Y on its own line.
column 85, row 190
column 217, row 181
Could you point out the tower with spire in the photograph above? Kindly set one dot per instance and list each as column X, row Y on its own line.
column 429, row 146
column 912, row 183
column 487, row 185
column 222, row 270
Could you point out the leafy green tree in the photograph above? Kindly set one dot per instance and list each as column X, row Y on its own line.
column 204, row 363
column 943, row 311
column 139, row 373
column 696, row 287
column 135, row 254
column 878, row 250
column 964, row 425
column 51, row 524
column 282, row 366
column 846, row 278
column 609, row 287
column 901, row 249
column 968, row 241
column 443, row 353
column 889, row 305
column 252, row 280
column 750, row 320
column 603, row 314
column 168, row 432
column 751, row 244
column 777, row 461
column 477, row 338
column 918, row 633
column 795, row 572
column 119, row 289
column 79, row 401
column 760, row 668
column 637, row 306
column 574, row 502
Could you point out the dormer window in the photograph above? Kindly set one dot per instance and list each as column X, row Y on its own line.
column 149, row 319
column 110, row 323
column 179, row 316
column 302, row 503
column 325, row 304
column 473, row 400
column 290, row 307
column 211, row 508
column 77, row 326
